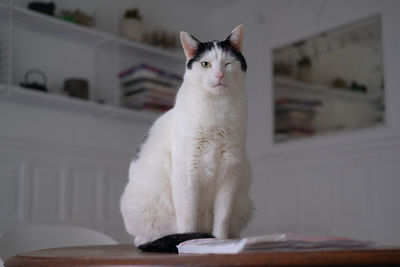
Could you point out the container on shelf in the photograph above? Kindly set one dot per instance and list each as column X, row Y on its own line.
column 77, row 87
column 131, row 25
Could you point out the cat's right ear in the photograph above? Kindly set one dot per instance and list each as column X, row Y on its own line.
column 236, row 38
column 189, row 44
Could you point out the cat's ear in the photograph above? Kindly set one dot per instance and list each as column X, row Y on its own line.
column 236, row 38
column 189, row 44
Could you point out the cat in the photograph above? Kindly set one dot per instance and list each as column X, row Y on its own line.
column 192, row 174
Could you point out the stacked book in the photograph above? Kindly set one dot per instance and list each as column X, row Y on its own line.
column 272, row 242
column 295, row 117
column 148, row 87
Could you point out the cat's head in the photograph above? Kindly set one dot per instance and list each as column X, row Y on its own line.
column 217, row 66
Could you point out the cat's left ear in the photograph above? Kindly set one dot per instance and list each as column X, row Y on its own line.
column 236, row 38
column 189, row 44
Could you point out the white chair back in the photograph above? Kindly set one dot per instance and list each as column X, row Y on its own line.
column 33, row 237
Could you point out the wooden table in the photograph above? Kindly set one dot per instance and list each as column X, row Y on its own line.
column 127, row 255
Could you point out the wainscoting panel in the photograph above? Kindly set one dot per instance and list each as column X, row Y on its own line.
column 47, row 203
column 352, row 192
column 53, row 185
column 115, row 183
column 84, row 196
column 11, row 190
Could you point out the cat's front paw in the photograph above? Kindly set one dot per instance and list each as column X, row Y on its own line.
column 220, row 234
column 139, row 241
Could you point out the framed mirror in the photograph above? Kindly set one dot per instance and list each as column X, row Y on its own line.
column 330, row 82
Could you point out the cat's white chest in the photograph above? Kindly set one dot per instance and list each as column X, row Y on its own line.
column 212, row 150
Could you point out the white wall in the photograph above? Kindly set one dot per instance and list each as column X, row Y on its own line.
column 344, row 184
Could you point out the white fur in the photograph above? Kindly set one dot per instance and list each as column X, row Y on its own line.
column 192, row 174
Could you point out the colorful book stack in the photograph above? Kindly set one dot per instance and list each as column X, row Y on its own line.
column 294, row 117
column 148, row 87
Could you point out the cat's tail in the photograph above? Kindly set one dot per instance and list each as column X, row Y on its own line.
column 168, row 243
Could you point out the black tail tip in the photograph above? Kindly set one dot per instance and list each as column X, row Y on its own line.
column 168, row 243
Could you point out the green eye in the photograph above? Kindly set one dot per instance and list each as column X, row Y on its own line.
column 205, row 64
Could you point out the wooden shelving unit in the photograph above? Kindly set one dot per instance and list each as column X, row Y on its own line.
column 34, row 21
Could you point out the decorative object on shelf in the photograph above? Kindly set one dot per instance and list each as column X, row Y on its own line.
column 131, row 25
column 282, row 69
column 77, row 87
column 357, row 87
column 77, row 16
column 340, row 83
column 163, row 39
column 45, row 8
column 35, row 85
column 305, row 71
column 148, row 87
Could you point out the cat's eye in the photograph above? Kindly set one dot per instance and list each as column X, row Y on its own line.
column 205, row 64
column 226, row 64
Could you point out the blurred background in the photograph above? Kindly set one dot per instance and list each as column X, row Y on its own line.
column 82, row 81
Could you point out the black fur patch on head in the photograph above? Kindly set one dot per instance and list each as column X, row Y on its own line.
column 168, row 243
column 201, row 49
column 226, row 46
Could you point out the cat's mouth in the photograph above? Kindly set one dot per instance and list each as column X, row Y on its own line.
column 219, row 84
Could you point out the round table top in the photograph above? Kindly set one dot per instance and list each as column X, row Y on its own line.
column 128, row 255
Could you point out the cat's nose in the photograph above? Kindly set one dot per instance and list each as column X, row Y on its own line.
column 219, row 76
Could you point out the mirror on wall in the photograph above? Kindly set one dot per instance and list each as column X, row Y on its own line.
column 330, row 82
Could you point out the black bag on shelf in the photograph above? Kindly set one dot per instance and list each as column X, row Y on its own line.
column 34, row 85
column 45, row 8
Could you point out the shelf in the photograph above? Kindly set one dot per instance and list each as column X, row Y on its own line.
column 152, row 49
column 322, row 89
column 67, row 31
column 54, row 101
column 57, row 27
column 63, row 29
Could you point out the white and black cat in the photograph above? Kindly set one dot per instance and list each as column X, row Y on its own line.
column 192, row 174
